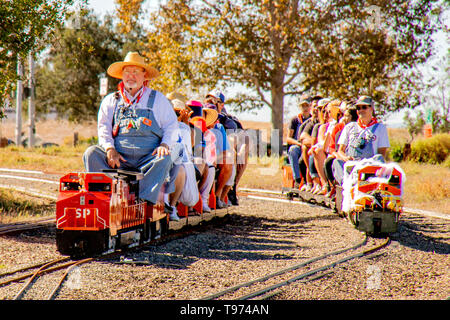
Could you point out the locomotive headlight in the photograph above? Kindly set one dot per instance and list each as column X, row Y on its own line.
column 82, row 200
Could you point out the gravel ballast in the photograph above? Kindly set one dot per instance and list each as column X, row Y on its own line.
column 254, row 239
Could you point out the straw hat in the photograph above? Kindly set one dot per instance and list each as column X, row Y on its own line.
column 132, row 59
column 210, row 116
column 333, row 107
column 176, row 95
column 200, row 113
column 179, row 105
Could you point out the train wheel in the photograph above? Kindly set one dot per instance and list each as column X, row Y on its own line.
column 155, row 229
column 146, row 232
column 164, row 225
column 112, row 243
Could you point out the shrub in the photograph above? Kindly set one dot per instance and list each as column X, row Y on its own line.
column 447, row 162
column 396, row 153
column 433, row 150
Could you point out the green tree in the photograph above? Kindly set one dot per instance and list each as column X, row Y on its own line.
column 25, row 26
column 69, row 78
column 414, row 126
column 438, row 93
column 279, row 48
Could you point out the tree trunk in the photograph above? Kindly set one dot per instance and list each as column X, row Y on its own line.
column 277, row 120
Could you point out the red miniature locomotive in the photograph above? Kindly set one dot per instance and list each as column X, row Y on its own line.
column 99, row 212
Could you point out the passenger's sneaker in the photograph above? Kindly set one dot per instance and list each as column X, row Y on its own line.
column 220, row 204
column 232, row 197
column 316, row 189
column 206, row 208
column 167, row 209
column 306, row 187
column 174, row 216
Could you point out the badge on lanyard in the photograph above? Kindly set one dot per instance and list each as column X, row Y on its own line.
column 147, row 122
column 115, row 130
column 131, row 124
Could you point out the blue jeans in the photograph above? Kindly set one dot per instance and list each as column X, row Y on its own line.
column 155, row 171
column 338, row 167
column 312, row 168
column 296, row 162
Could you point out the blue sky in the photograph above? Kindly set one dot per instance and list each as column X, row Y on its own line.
column 395, row 119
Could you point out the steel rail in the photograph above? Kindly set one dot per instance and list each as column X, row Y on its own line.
column 283, row 271
column 3, row 275
column 34, row 276
column 25, row 276
column 32, row 192
column 427, row 213
column 314, row 271
column 52, row 295
column 7, row 176
column 22, row 171
column 24, row 226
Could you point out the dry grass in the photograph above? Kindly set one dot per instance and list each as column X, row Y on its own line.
column 14, row 208
column 427, row 186
column 52, row 160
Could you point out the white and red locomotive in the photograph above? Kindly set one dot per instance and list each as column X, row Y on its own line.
column 371, row 198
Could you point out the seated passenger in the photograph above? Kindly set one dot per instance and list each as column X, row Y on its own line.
column 238, row 140
column 319, row 150
column 294, row 145
column 343, row 116
column 309, row 139
column 224, row 163
column 186, row 190
column 363, row 139
column 205, row 150
column 137, row 129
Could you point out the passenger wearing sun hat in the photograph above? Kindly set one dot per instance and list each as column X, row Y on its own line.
column 204, row 147
column 366, row 138
column 178, row 96
column 137, row 128
column 225, row 169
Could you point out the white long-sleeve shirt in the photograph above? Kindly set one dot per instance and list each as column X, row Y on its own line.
column 162, row 109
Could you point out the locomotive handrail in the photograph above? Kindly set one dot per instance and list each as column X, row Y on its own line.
column 133, row 175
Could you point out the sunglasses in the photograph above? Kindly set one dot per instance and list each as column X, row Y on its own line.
column 364, row 107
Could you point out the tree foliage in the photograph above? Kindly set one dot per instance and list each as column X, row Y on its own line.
column 277, row 48
column 25, row 26
column 69, row 78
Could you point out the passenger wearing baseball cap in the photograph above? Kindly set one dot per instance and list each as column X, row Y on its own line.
column 216, row 94
column 294, row 145
column 366, row 138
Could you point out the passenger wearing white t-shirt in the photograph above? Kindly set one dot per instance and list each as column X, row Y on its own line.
column 366, row 138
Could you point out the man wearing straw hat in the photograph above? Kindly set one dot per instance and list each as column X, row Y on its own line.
column 137, row 128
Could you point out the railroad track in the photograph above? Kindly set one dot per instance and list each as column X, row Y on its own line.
column 268, row 291
column 274, row 195
column 34, row 183
column 33, row 273
column 18, row 227
column 258, row 194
